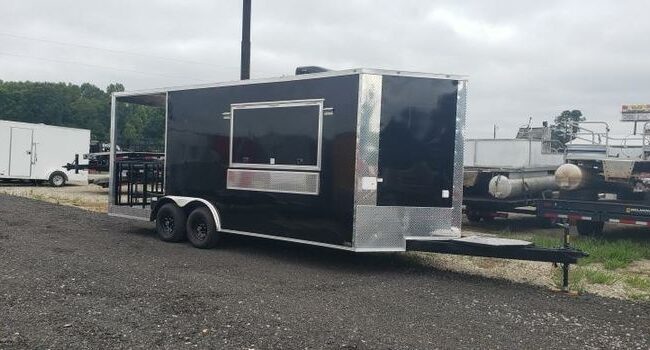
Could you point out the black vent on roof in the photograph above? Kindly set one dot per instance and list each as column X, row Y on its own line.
column 310, row 70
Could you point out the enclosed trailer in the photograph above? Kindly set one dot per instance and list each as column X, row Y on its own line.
column 360, row 160
column 40, row 152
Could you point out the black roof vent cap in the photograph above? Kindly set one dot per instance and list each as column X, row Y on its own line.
column 310, row 70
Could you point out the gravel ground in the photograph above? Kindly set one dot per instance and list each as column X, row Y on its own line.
column 70, row 278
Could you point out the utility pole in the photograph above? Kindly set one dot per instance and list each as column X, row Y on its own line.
column 246, row 42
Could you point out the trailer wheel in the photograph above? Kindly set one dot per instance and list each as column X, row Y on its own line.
column 201, row 229
column 57, row 179
column 170, row 223
column 590, row 228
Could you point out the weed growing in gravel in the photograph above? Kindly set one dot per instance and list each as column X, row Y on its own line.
column 638, row 282
column 613, row 253
column 577, row 280
column 638, row 296
column 598, row 277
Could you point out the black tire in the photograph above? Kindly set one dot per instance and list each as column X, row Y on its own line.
column 170, row 223
column 590, row 228
column 57, row 179
column 201, row 229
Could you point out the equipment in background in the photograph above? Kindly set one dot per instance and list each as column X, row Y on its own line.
column 605, row 178
column 38, row 152
column 359, row 160
column 508, row 175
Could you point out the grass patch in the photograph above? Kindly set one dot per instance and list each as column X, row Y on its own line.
column 577, row 279
column 598, row 277
column 639, row 296
column 580, row 277
column 638, row 282
column 612, row 252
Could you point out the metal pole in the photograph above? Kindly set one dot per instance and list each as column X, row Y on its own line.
column 246, row 42
column 565, row 266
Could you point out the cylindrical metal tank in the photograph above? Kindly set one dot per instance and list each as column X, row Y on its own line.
column 501, row 187
column 572, row 177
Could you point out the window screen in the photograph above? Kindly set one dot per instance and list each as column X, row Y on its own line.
column 280, row 136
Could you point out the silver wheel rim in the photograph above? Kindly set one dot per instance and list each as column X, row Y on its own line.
column 57, row 180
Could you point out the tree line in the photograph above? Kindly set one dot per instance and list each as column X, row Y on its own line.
column 140, row 128
column 83, row 106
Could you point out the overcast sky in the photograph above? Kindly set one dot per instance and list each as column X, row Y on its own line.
column 523, row 58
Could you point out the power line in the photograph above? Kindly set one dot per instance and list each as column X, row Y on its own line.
column 114, row 51
column 99, row 66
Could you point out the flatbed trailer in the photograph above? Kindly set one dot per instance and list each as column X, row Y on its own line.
column 482, row 208
column 589, row 216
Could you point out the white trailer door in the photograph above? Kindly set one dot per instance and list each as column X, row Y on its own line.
column 20, row 154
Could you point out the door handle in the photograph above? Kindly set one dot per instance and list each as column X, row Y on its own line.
column 29, row 152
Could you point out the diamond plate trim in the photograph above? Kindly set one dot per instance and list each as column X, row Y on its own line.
column 273, row 181
column 387, row 227
column 367, row 146
column 457, row 202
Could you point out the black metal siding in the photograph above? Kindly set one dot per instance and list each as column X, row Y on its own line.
column 417, row 141
column 198, row 157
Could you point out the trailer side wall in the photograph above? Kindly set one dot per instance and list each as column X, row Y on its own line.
column 198, row 159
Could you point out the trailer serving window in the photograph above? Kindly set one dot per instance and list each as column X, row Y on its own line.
column 283, row 135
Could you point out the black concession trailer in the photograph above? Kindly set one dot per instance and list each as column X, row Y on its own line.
column 362, row 160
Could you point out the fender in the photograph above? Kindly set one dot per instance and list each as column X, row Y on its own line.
column 184, row 201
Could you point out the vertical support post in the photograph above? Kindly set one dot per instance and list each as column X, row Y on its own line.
column 111, row 159
column 246, row 41
column 144, row 186
column 565, row 266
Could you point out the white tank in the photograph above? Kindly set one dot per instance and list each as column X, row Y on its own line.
column 572, row 177
column 501, row 187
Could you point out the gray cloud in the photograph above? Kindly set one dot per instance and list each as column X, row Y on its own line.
column 524, row 59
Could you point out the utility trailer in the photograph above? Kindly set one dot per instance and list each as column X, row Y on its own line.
column 508, row 175
column 590, row 216
column 359, row 160
column 606, row 179
column 39, row 152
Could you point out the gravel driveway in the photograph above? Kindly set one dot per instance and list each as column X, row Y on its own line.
column 70, row 278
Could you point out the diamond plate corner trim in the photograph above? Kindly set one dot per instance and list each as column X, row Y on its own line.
column 457, row 203
column 367, row 145
column 273, row 181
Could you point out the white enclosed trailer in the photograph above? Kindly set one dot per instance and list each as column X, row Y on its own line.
column 39, row 152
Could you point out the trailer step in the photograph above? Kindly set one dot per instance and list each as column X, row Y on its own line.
column 492, row 241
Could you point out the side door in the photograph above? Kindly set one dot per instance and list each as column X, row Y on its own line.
column 20, row 152
column 416, row 142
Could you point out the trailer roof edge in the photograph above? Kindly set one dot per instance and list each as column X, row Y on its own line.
column 292, row 78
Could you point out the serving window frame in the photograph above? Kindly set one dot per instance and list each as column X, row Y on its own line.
column 278, row 104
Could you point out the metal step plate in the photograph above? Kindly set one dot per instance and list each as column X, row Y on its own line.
column 492, row 241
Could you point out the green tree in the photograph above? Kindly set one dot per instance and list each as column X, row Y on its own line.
column 565, row 125
column 83, row 106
